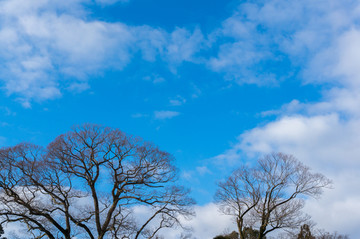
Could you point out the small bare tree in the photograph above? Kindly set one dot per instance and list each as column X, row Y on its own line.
column 269, row 195
column 87, row 183
column 321, row 234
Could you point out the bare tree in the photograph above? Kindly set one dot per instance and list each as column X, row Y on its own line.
column 87, row 183
column 321, row 234
column 270, row 194
column 310, row 232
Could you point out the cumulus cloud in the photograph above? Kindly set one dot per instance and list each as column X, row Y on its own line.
column 338, row 208
column 207, row 224
column 39, row 46
column 324, row 40
column 326, row 138
column 328, row 144
column 330, row 54
column 263, row 39
column 50, row 46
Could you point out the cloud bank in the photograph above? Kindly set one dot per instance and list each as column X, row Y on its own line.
column 48, row 47
column 323, row 38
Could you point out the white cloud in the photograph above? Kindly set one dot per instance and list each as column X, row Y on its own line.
column 139, row 115
column 187, row 175
column 5, row 110
column 261, row 38
column 2, row 139
column 338, row 209
column 110, row 2
column 183, row 45
column 151, row 41
column 156, row 79
column 338, row 63
column 177, row 101
column 39, row 45
column 236, row 61
column 238, row 57
column 50, row 46
column 202, row 170
column 323, row 39
column 327, row 138
column 165, row 114
column 207, row 224
column 328, row 144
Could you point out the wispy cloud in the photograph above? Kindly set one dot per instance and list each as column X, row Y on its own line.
column 183, row 44
column 156, row 79
column 139, row 115
column 110, row 2
column 177, row 101
column 202, row 170
column 8, row 112
column 165, row 114
column 2, row 141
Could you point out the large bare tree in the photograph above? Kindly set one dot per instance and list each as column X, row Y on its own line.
column 87, row 183
column 270, row 194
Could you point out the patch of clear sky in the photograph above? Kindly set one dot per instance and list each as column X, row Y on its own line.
column 167, row 14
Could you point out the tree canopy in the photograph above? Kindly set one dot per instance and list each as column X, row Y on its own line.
column 87, row 183
column 270, row 194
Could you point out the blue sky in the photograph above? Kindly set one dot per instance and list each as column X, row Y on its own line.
column 215, row 83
